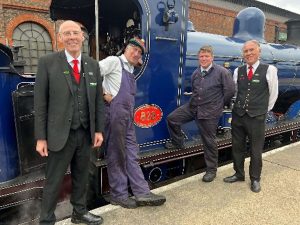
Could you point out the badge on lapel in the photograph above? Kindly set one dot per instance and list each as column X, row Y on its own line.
column 242, row 77
column 256, row 75
column 93, row 84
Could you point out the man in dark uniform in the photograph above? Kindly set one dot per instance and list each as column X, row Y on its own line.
column 257, row 90
column 212, row 89
column 69, row 114
column 120, row 139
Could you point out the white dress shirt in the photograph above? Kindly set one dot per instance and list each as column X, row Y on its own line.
column 207, row 69
column 70, row 60
column 272, row 80
column 111, row 70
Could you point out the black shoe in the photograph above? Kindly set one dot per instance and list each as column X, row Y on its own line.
column 87, row 218
column 233, row 178
column 128, row 203
column 171, row 145
column 209, row 177
column 150, row 200
column 255, row 186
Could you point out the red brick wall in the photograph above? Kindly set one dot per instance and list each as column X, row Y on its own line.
column 15, row 12
column 211, row 19
column 36, row 18
column 30, row 4
column 2, row 27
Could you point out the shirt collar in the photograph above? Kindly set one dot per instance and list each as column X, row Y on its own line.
column 125, row 61
column 207, row 69
column 71, row 58
column 254, row 66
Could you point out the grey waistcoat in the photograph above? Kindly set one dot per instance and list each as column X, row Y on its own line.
column 80, row 112
column 252, row 96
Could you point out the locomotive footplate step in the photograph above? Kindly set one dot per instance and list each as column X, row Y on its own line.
column 194, row 147
column 191, row 201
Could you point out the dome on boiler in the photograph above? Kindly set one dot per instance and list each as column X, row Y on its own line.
column 250, row 24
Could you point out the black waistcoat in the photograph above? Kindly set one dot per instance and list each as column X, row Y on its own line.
column 80, row 112
column 252, row 96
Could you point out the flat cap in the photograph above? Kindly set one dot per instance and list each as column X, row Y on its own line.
column 138, row 42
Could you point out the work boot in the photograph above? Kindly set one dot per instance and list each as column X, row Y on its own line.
column 128, row 203
column 150, row 199
column 86, row 218
column 209, row 177
column 255, row 186
column 234, row 178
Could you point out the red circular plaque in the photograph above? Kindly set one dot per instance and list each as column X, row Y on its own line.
column 147, row 116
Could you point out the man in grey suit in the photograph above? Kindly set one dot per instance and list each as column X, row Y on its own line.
column 68, row 121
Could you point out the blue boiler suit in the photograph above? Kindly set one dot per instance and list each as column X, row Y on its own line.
column 121, row 144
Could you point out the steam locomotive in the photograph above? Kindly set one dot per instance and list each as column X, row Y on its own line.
column 163, row 83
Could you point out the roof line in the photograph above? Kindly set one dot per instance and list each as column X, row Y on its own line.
column 266, row 8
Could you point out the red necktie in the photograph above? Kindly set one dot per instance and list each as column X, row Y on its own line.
column 250, row 73
column 76, row 71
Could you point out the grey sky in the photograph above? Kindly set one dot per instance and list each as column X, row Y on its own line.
column 290, row 5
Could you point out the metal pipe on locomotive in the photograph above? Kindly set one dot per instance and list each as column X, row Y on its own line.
column 163, row 83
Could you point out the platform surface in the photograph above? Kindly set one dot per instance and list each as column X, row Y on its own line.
column 193, row 202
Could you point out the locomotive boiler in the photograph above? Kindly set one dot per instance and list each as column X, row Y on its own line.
column 163, row 83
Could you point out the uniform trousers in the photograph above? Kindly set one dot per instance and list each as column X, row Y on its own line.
column 253, row 128
column 207, row 129
column 122, row 154
column 75, row 153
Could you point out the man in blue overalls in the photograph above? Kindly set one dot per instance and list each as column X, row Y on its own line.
column 120, row 139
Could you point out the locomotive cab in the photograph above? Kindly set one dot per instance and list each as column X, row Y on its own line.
column 163, row 26
column 118, row 22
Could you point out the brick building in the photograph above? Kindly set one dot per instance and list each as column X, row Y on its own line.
column 217, row 16
column 28, row 23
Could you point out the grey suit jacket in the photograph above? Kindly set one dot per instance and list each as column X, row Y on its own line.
column 53, row 98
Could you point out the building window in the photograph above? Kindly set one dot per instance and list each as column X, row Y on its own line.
column 36, row 42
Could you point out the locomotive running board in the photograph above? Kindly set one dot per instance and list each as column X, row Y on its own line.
column 161, row 155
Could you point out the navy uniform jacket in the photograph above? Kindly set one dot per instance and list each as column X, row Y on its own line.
column 211, row 92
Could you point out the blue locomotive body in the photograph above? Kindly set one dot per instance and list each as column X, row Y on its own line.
column 9, row 166
column 171, row 57
column 163, row 84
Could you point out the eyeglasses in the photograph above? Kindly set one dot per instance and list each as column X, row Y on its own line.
column 69, row 33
